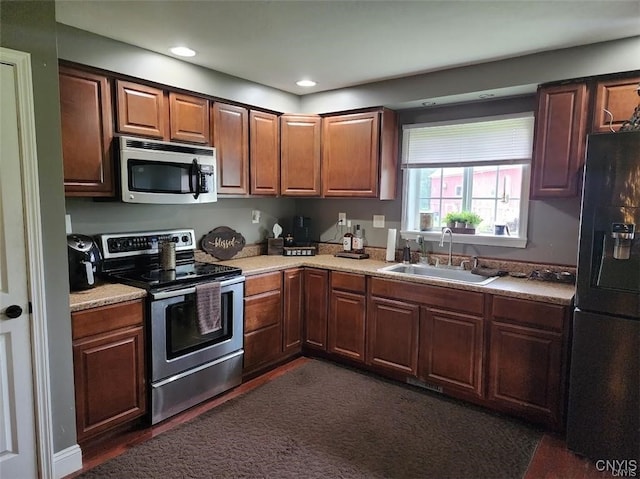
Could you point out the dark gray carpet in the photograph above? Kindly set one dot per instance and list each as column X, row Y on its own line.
column 326, row 421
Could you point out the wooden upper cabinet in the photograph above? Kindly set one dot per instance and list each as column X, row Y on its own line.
column 142, row 110
column 85, row 110
column 264, row 153
column 614, row 103
column 300, row 155
column 230, row 127
column 359, row 155
column 189, row 118
column 560, row 138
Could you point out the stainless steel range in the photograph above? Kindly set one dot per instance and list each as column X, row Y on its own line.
column 194, row 325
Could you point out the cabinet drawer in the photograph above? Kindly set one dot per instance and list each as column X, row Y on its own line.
column 348, row 281
column 529, row 313
column 447, row 298
column 262, row 346
column 262, row 310
column 263, row 283
column 106, row 318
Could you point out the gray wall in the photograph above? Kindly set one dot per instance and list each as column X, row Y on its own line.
column 30, row 27
column 101, row 52
column 89, row 217
column 520, row 75
column 552, row 225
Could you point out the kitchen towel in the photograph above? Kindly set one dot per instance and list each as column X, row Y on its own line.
column 391, row 244
column 208, row 307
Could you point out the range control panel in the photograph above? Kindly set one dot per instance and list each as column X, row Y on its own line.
column 144, row 243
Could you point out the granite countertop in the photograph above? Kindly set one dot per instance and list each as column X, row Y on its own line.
column 523, row 288
column 104, row 294
column 555, row 293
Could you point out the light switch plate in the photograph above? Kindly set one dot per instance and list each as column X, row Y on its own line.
column 67, row 224
column 378, row 221
column 255, row 216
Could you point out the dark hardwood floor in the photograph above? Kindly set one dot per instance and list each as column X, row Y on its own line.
column 552, row 459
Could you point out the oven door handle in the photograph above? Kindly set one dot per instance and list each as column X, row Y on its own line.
column 191, row 290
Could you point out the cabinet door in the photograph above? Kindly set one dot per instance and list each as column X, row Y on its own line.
column 392, row 335
column 560, row 137
column 350, row 155
column 263, row 329
column 292, row 311
column 300, row 155
column 450, row 350
column 316, row 287
column 110, row 380
column 85, row 111
column 264, row 153
column 231, row 139
column 346, row 334
column 525, row 372
column 614, row 103
column 142, row 110
column 189, row 117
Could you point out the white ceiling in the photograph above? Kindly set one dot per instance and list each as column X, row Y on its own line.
column 346, row 43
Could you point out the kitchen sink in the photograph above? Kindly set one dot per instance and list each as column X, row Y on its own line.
column 449, row 274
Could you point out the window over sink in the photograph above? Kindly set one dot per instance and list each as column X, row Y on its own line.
column 480, row 165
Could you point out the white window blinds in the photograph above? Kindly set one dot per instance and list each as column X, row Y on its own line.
column 501, row 139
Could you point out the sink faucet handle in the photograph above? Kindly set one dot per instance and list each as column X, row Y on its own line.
column 475, row 262
column 437, row 262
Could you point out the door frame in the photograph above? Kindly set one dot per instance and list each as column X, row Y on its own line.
column 21, row 61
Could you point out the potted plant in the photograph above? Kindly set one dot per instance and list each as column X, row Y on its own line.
column 454, row 219
column 471, row 219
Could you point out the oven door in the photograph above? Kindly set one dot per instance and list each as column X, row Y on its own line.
column 176, row 342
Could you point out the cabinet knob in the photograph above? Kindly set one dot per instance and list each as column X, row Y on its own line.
column 13, row 311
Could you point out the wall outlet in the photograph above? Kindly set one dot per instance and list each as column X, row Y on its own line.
column 342, row 219
column 255, row 216
column 378, row 221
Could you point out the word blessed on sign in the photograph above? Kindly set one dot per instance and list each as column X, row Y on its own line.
column 223, row 242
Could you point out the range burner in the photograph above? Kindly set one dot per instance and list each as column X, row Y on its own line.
column 132, row 258
column 184, row 274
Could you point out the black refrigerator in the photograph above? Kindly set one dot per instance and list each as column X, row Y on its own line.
column 603, row 415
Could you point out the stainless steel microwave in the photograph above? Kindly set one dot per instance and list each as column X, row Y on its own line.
column 160, row 172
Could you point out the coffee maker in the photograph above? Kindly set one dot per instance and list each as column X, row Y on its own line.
column 302, row 231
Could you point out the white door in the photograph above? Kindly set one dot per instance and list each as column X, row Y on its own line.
column 17, row 426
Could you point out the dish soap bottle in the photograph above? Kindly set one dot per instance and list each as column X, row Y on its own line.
column 347, row 239
column 358, row 241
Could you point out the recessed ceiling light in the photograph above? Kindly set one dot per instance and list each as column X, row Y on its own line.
column 428, row 103
column 486, row 95
column 306, row 83
column 183, row 51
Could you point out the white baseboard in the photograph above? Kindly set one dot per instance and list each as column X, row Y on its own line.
column 67, row 461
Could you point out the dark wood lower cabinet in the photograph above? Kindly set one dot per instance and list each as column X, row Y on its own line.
column 346, row 334
column 109, row 368
column 293, row 314
column 316, row 289
column 392, row 335
column 525, row 375
column 450, row 350
column 262, row 320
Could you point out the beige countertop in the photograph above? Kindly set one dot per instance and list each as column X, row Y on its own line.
column 104, row 294
column 556, row 293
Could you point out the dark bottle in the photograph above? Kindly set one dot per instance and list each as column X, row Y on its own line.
column 358, row 241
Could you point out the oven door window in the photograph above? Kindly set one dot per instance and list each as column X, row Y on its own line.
column 159, row 177
column 183, row 332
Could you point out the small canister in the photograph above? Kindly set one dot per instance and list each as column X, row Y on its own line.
column 426, row 221
column 167, row 255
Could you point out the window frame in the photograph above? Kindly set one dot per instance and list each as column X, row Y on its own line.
column 519, row 241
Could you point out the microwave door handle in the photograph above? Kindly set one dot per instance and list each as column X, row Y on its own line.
column 194, row 174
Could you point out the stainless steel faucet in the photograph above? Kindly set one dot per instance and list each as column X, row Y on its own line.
column 444, row 232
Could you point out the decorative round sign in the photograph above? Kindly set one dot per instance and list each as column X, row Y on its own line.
column 222, row 242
